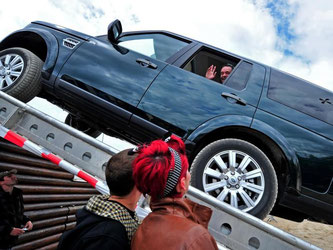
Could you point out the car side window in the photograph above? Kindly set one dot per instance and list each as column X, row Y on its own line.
column 240, row 76
column 240, row 70
column 301, row 95
column 156, row 45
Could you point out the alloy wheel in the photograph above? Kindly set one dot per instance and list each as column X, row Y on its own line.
column 236, row 178
column 11, row 68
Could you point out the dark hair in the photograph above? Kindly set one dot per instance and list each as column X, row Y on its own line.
column 228, row 65
column 152, row 166
column 118, row 173
column 7, row 173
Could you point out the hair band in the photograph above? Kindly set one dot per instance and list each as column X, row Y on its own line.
column 174, row 174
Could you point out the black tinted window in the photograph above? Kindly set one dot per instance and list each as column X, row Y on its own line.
column 239, row 78
column 301, row 95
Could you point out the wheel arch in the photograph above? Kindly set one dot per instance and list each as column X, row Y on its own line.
column 42, row 43
column 267, row 139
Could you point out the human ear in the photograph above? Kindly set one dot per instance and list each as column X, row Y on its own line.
column 181, row 186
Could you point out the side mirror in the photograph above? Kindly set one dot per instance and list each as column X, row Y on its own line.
column 114, row 31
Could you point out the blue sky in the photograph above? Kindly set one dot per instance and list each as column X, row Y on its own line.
column 282, row 23
column 283, row 14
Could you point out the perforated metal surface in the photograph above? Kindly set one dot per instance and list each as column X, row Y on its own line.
column 61, row 139
column 229, row 226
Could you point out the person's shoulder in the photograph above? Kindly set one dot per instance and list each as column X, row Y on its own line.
column 100, row 227
column 109, row 227
column 113, row 236
column 16, row 191
column 97, row 223
column 194, row 235
column 103, row 234
column 113, row 224
column 178, row 223
column 193, row 227
column 1, row 191
column 109, row 230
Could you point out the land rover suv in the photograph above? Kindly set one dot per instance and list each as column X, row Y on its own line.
column 261, row 137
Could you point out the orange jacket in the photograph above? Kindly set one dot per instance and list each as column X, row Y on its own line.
column 175, row 223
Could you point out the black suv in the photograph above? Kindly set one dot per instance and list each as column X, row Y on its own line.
column 259, row 138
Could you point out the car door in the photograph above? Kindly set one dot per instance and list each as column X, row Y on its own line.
column 302, row 113
column 180, row 99
column 108, row 79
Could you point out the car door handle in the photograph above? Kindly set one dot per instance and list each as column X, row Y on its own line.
column 146, row 63
column 233, row 97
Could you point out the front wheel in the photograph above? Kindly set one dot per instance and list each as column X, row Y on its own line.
column 238, row 173
column 20, row 73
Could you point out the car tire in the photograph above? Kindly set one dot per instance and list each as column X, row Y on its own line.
column 20, row 73
column 238, row 173
column 78, row 124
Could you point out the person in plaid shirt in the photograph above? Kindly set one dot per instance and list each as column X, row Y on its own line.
column 108, row 221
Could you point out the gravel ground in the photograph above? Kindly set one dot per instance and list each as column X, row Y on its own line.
column 318, row 234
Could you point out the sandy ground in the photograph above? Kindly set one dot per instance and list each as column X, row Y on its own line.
column 318, row 234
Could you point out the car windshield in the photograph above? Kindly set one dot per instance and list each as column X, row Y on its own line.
column 157, row 46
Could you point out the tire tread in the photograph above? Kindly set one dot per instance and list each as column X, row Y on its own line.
column 196, row 179
column 29, row 83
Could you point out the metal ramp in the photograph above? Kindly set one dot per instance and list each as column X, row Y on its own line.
column 86, row 157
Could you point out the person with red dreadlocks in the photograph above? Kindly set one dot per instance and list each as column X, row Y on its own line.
column 161, row 171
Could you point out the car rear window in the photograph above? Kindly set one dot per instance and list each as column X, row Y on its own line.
column 301, row 95
column 157, row 46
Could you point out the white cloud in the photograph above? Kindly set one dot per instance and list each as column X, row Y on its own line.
column 311, row 24
column 244, row 27
column 320, row 71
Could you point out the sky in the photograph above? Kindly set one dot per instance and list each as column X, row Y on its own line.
column 292, row 35
column 295, row 36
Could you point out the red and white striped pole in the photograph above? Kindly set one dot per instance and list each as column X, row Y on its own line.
column 43, row 152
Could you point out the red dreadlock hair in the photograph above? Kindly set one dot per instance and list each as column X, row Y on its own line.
column 153, row 163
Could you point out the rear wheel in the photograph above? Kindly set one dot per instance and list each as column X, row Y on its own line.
column 238, row 173
column 78, row 124
column 20, row 73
